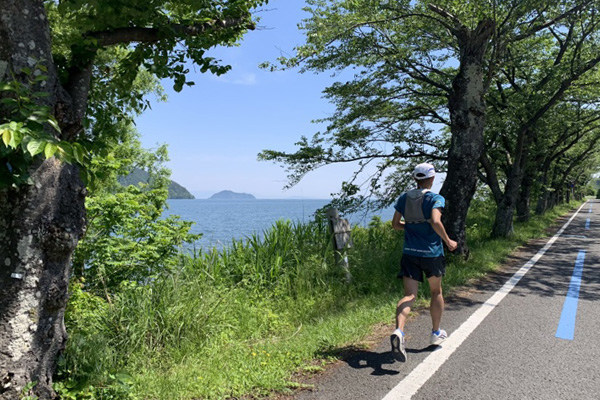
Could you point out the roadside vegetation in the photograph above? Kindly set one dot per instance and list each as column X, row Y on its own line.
column 502, row 96
column 245, row 320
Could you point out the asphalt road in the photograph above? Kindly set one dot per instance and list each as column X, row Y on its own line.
column 532, row 340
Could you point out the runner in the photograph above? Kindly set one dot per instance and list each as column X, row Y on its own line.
column 423, row 253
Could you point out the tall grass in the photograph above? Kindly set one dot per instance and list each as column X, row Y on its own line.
column 242, row 320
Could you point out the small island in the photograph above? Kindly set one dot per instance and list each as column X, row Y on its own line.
column 229, row 195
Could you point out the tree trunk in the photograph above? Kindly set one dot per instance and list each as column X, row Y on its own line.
column 503, row 223
column 560, row 197
column 542, row 203
column 524, row 198
column 40, row 224
column 554, row 198
column 467, row 115
column 507, row 200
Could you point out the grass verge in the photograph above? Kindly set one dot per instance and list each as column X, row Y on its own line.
column 242, row 321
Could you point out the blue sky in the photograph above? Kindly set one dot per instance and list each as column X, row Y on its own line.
column 216, row 128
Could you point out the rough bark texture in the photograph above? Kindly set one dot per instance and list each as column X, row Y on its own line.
column 524, row 198
column 467, row 114
column 542, row 203
column 503, row 223
column 40, row 224
column 40, row 227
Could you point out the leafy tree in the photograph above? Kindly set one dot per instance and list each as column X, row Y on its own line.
column 537, row 74
column 561, row 128
column 127, row 246
column 577, row 167
column 572, row 126
column 70, row 69
column 126, row 240
column 421, row 74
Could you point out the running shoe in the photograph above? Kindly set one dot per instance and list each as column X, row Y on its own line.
column 438, row 337
column 398, row 350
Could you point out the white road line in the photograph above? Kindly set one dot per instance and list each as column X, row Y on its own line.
column 417, row 378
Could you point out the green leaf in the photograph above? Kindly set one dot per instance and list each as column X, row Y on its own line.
column 53, row 123
column 78, row 153
column 36, row 146
column 16, row 138
column 40, row 78
column 50, row 149
column 6, row 136
column 65, row 151
column 36, row 117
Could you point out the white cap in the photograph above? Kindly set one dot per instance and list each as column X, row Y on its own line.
column 424, row 171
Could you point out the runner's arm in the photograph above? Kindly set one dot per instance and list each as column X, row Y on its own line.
column 438, row 227
column 397, row 222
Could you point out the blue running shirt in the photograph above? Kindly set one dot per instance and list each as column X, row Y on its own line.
column 420, row 239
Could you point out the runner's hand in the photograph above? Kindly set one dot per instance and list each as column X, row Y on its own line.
column 452, row 245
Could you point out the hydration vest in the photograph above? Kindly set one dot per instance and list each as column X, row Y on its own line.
column 413, row 210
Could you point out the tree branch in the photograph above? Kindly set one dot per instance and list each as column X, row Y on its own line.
column 78, row 87
column 149, row 35
column 445, row 14
column 491, row 179
column 551, row 22
column 566, row 84
column 591, row 147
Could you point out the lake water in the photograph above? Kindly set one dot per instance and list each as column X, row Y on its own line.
column 221, row 221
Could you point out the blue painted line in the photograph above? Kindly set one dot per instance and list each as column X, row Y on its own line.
column 587, row 224
column 566, row 325
column 590, row 210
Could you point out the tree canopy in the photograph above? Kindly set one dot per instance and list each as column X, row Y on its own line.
column 416, row 67
column 73, row 75
column 102, row 53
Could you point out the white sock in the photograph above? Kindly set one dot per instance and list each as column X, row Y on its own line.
column 399, row 332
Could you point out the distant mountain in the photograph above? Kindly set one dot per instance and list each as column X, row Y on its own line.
column 176, row 191
column 229, row 195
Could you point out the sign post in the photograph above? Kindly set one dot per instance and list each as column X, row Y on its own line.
column 342, row 240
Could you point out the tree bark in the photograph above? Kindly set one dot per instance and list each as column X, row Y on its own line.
column 530, row 174
column 467, row 114
column 542, row 203
column 524, row 198
column 503, row 224
column 40, row 223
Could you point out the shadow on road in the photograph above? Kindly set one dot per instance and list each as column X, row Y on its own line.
column 428, row 349
column 359, row 358
column 551, row 275
column 375, row 361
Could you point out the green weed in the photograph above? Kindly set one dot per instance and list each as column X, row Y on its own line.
column 241, row 321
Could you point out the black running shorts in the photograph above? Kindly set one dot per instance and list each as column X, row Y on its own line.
column 414, row 267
